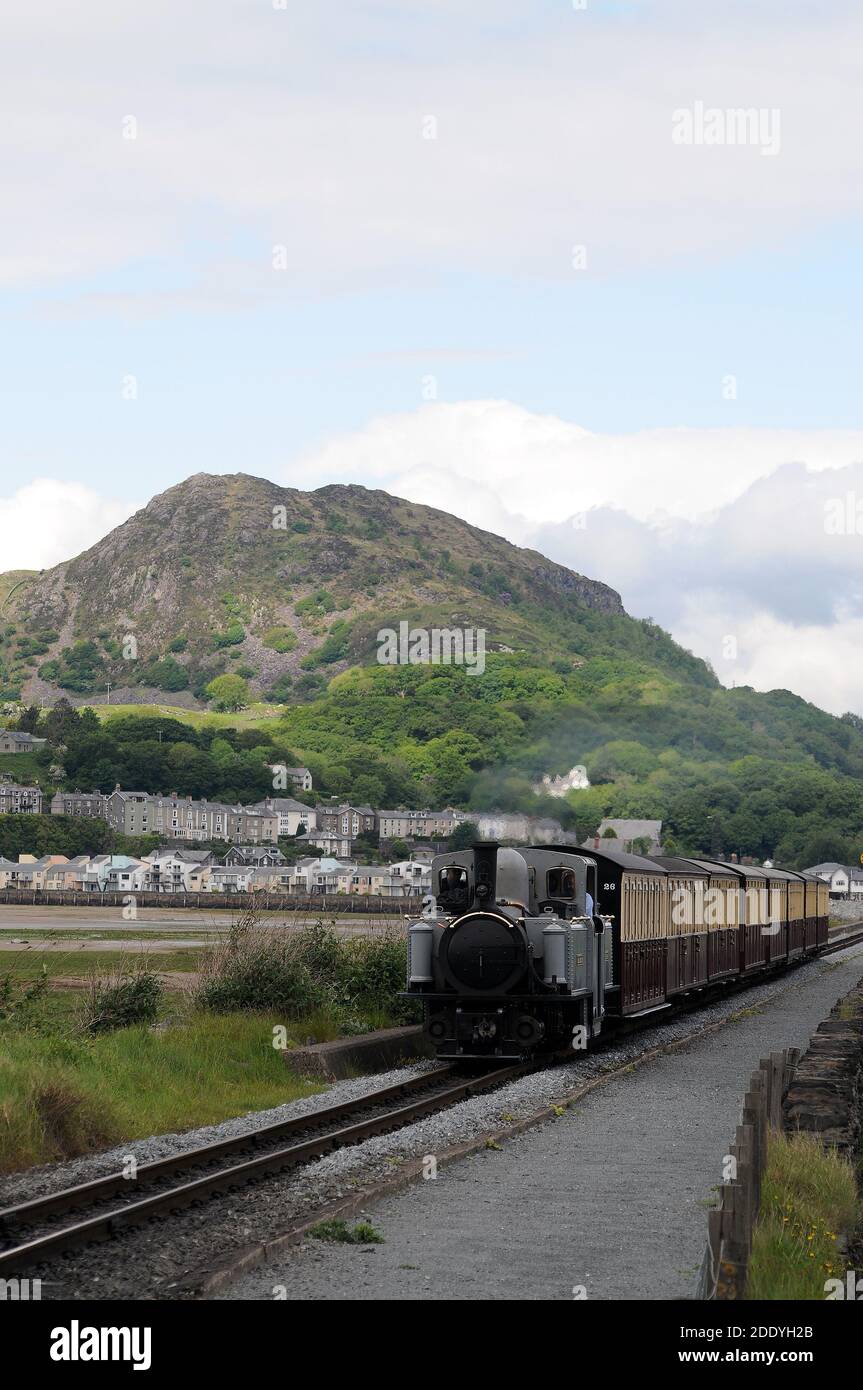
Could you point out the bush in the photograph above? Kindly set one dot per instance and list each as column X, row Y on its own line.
column 259, row 968
column 121, row 1001
column 296, row 973
column 231, row 637
column 19, row 1000
column 280, row 639
column 228, row 692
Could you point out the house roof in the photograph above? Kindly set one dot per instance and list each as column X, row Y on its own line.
column 631, row 829
column 281, row 803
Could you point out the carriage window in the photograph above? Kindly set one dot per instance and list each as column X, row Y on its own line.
column 560, row 883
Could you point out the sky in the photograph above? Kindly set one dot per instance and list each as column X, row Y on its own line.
column 518, row 259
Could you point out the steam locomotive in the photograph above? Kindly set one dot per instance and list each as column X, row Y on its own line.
column 522, row 951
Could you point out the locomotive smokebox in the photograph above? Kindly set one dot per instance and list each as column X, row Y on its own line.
column 485, row 872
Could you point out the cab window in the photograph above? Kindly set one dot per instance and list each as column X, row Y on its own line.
column 452, row 882
column 560, row 883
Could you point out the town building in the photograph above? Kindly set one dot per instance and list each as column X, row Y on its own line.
column 337, row 846
column 77, row 803
column 346, row 820
column 846, row 881
column 254, row 856
column 20, row 801
column 402, row 824
column 11, row 741
column 299, row 777
column 292, row 814
column 172, row 870
column 182, row 818
column 630, row 836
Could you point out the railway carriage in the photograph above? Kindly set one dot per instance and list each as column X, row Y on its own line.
column 724, row 914
column 527, row 950
column 633, row 896
column 817, row 910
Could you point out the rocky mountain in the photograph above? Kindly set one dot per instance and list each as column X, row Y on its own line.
column 286, row 588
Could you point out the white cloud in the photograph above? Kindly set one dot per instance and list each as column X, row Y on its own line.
column 714, row 533
column 48, row 521
column 540, row 469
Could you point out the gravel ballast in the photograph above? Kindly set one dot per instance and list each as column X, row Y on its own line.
column 609, row 1201
column 146, row 1262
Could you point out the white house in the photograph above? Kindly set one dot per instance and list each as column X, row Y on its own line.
column 842, row 880
column 292, row 814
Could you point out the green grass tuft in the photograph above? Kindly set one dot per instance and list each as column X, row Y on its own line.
column 364, row 1233
column 808, row 1200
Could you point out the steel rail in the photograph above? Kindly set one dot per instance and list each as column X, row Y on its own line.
column 106, row 1224
column 66, row 1199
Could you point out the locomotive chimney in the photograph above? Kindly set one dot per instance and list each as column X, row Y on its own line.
column 485, row 872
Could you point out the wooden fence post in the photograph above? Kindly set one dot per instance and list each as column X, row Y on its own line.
column 730, row 1226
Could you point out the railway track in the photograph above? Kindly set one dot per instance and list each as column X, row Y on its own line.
column 33, row 1231
column 287, row 1144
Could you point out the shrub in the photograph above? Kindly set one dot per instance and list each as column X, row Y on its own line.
column 281, row 691
column 296, row 973
column 123, row 999
column 233, row 635
column 372, row 974
column 259, row 968
column 316, row 605
column 280, row 639
column 19, row 1000
column 228, row 692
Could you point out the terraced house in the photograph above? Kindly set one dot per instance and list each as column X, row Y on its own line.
column 345, row 820
column 401, row 823
column 19, row 801
column 79, row 804
column 292, row 814
column 181, row 818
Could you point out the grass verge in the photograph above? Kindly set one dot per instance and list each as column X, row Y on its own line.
column 81, row 1073
column 64, row 1094
column 809, row 1199
column 28, row 965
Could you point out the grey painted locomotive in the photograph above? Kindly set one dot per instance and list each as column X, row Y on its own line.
column 508, row 955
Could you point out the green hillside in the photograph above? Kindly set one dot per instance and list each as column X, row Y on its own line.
column 208, row 587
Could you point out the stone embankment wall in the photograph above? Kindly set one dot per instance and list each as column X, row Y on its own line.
column 825, row 1096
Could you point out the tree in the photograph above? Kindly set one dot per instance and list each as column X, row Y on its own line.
column 28, row 720
column 464, row 835
column 61, row 722
column 228, row 692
